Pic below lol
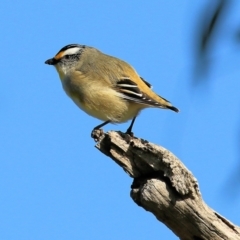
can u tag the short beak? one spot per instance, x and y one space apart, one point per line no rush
51 61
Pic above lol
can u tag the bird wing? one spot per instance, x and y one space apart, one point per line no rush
127 89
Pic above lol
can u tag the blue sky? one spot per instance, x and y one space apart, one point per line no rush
53 183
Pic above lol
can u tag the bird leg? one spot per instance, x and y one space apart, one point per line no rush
129 130
101 125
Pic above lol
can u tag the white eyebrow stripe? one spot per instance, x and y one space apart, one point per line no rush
71 51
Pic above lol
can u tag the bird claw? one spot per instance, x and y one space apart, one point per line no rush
131 134
96 134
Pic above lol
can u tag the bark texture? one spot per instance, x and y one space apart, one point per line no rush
165 187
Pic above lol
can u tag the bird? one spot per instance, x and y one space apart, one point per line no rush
104 86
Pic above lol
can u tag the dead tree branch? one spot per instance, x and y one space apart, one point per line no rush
165 187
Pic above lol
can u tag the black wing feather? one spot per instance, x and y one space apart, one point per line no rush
147 83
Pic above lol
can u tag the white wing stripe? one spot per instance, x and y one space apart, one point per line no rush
132 93
127 86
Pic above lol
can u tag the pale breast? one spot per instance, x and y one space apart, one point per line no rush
100 101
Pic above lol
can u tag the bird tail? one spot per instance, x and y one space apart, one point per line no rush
167 104
173 108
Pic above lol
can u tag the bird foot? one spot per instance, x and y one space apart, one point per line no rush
96 134
130 133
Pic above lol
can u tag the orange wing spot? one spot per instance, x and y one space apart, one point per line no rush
59 56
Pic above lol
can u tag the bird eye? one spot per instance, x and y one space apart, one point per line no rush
67 56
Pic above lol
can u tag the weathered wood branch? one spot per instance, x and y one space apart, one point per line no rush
165 187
